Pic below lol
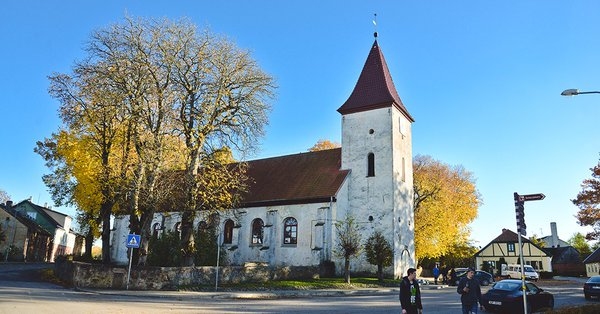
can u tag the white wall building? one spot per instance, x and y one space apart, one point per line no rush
288 217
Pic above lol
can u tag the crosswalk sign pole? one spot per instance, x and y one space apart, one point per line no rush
129 271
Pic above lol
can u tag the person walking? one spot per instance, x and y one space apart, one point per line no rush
436 274
470 292
410 294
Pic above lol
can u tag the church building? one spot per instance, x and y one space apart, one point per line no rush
293 203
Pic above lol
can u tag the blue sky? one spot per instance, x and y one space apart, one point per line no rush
481 78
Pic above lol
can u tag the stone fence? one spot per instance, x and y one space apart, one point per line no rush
88 275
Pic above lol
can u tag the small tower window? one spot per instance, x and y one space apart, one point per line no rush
371 165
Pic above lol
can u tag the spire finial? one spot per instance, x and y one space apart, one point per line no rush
375 24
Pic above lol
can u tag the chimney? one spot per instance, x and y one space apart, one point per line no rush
554 234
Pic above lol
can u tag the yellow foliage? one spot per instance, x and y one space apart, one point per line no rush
446 201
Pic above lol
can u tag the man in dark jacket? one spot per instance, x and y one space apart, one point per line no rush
470 292
410 294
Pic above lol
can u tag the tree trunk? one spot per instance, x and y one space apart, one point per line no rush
380 272
187 238
347 270
105 211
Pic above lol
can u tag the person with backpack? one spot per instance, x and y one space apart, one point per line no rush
410 294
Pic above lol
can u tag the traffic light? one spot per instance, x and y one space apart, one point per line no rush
520 213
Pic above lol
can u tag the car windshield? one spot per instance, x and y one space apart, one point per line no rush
507 286
594 279
529 268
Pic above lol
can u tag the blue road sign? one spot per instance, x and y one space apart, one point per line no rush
133 240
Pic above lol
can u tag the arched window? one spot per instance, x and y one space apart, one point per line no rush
371 165
290 231
257 231
228 232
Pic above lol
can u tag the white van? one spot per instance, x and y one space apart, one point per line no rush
514 271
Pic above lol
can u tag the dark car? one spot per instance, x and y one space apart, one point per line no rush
591 288
483 277
506 296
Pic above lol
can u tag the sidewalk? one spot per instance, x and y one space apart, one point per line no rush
275 294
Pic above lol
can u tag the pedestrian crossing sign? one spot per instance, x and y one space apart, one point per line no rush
133 241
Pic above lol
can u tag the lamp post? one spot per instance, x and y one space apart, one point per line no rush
575 91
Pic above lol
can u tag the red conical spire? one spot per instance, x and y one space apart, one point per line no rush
375 88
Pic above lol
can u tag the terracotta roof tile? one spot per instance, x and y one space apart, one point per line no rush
375 88
311 177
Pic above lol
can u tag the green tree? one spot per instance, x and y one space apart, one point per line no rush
379 252
445 202
348 244
579 242
588 202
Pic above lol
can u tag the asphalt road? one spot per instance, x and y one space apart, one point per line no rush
22 292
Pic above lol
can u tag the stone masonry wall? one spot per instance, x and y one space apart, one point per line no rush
84 275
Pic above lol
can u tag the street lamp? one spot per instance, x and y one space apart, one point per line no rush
575 91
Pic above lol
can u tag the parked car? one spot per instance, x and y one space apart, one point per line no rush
483 277
506 296
591 288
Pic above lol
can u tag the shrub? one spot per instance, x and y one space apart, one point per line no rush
164 250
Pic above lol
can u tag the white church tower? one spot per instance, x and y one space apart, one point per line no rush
376 147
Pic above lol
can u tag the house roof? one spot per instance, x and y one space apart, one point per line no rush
312 177
564 254
25 220
593 258
509 236
375 88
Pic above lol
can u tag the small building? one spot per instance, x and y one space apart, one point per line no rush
592 263
566 260
25 240
35 223
506 246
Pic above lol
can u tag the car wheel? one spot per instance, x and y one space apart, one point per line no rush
588 297
485 282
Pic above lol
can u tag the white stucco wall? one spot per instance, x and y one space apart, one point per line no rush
382 202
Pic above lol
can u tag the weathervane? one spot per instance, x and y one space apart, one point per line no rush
375 24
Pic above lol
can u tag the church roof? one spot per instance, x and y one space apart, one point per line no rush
313 177
375 88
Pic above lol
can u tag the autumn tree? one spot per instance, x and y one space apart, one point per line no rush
349 241
588 202
445 202
535 240
155 104
379 252
579 242
323 145
222 101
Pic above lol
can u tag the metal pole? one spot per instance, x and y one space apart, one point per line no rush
218 258
522 276
519 203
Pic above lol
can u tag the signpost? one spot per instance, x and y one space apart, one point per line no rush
133 242
522 230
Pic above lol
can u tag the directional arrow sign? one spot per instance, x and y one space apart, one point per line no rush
532 197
